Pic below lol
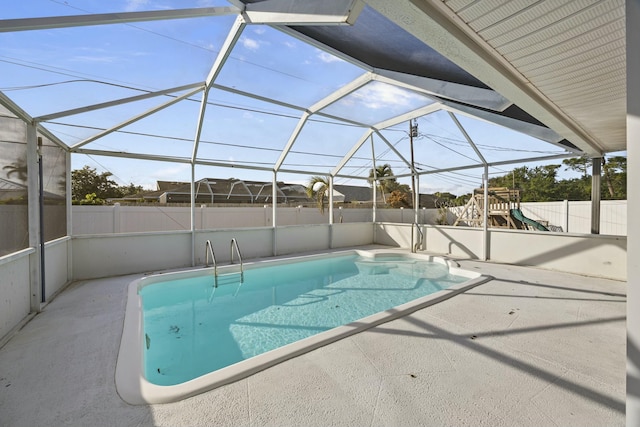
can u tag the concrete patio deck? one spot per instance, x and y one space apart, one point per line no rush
530 348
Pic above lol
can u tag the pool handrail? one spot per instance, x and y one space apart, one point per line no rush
234 243
209 251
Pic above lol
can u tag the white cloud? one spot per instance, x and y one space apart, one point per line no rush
380 95
327 57
172 173
133 5
250 44
94 59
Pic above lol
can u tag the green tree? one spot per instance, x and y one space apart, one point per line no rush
541 183
130 189
536 184
444 197
578 164
615 177
91 199
462 200
318 189
90 187
398 199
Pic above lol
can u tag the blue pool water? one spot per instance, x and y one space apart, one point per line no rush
192 328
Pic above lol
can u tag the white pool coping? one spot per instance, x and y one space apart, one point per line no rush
134 389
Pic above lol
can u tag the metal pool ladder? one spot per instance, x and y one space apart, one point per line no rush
234 244
209 252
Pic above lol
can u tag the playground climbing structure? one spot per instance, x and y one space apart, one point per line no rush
503 210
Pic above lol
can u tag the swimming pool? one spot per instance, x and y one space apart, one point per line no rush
184 335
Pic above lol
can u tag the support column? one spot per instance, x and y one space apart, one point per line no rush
416 202
633 211
274 213
331 212
331 199
193 214
69 213
33 208
375 184
485 209
596 172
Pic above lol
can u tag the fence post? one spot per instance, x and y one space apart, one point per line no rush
116 217
565 204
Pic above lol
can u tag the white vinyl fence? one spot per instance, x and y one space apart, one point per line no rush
575 217
570 217
137 219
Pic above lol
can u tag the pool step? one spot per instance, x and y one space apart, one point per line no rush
374 267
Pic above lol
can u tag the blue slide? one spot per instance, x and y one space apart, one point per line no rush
517 214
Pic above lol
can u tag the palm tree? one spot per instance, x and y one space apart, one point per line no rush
317 189
381 172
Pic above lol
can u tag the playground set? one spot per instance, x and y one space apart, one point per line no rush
503 211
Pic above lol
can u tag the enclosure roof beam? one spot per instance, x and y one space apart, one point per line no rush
292 140
14 108
24 116
352 152
500 163
349 176
136 118
345 90
49 22
422 111
102 105
128 155
255 96
47 133
390 145
287 105
539 132
232 38
480 97
467 137
304 12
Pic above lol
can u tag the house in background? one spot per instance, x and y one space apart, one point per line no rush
224 191
237 191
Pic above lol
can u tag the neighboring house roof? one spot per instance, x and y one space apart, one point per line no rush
355 193
10 190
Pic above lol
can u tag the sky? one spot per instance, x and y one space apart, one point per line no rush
48 71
